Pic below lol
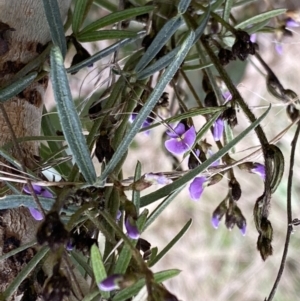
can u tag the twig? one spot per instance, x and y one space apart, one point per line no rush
289 215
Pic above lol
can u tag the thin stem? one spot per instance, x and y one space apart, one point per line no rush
289 215
236 97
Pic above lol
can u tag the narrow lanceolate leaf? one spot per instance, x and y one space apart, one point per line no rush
98 267
69 118
136 194
105 35
261 17
278 167
159 41
24 273
107 51
159 277
158 65
167 248
117 17
17 87
149 105
227 10
78 14
162 192
55 24
183 6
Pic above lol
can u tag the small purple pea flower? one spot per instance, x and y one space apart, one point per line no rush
110 283
260 170
147 122
39 190
196 188
291 23
131 227
218 128
215 222
182 139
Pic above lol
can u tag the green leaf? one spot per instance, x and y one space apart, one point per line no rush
227 10
203 22
160 208
103 53
16 87
81 261
105 35
91 296
55 25
183 6
261 17
24 273
158 65
69 118
117 17
15 201
159 41
134 289
136 194
149 105
98 267
79 14
167 248
17 250
162 192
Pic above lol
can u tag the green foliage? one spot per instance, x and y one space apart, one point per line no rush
156 49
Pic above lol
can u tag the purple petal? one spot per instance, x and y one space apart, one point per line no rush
36 214
132 117
260 170
46 194
215 222
189 137
37 189
176 147
227 96
253 37
110 283
215 163
177 131
291 23
196 188
131 228
243 230
218 129
119 214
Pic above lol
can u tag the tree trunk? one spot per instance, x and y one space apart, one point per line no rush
23 33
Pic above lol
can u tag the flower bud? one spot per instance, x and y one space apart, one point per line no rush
236 191
57 287
218 214
292 112
264 246
210 99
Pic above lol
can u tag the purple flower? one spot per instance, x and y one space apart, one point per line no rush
260 170
215 221
291 23
110 283
36 214
182 139
196 188
131 227
147 122
218 129
39 190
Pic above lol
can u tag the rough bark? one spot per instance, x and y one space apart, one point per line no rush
17 48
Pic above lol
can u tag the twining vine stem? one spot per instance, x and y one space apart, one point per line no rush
289 214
